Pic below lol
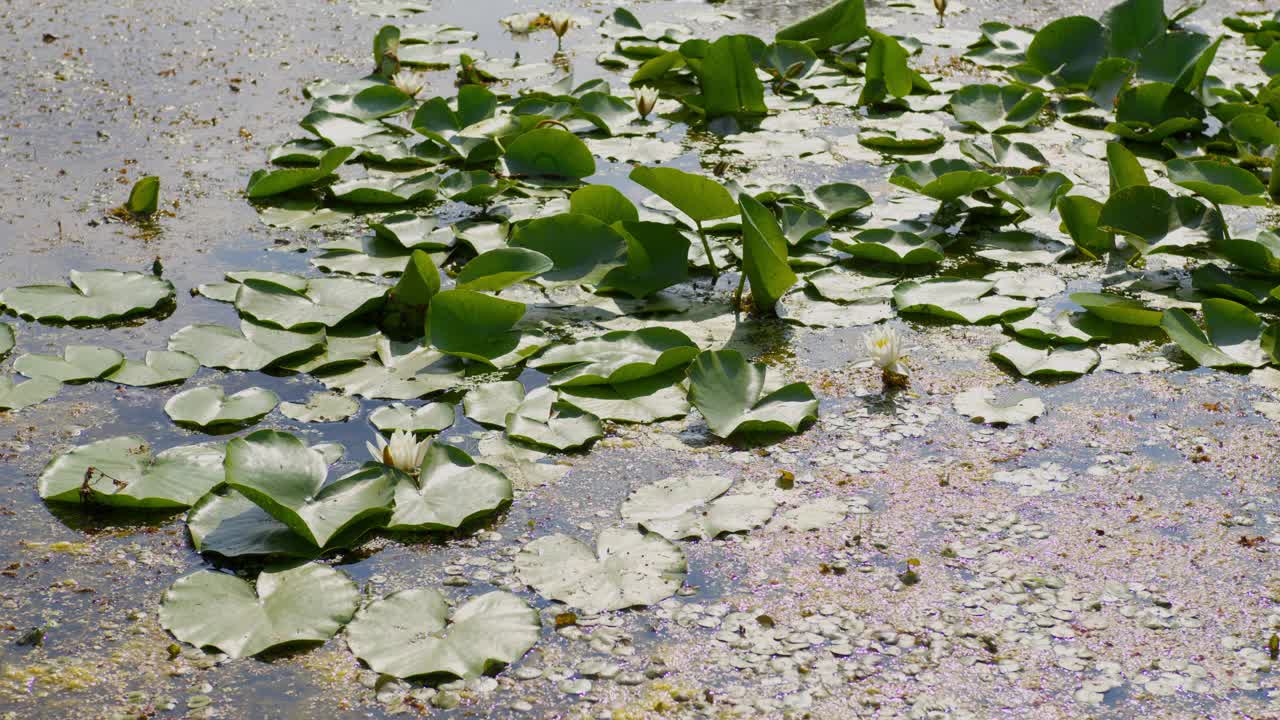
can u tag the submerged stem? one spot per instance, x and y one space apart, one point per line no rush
706 248
737 295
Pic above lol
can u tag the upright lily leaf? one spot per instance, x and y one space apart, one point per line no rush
699 197
121 472
734 396
1155 111
1153 221
1219 183
265 184
764 255
1117 309
618 357
1068 50
726 72
695 506
481 327
1235 336
283 476
1132 25
1260 254
604 203
582 248
79 363
1124 168
411 634
550 152
94 296
306 603
144 198
657 258
450 491
1080 220
208 408
886 70
626 569
840 23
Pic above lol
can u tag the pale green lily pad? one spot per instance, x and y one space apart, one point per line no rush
79 363
1236 336
1035 361
252 347
1018 247
412 633
733 396
841 285
627 568
813 515
491 403
891 246
307 603
658 397
126 475
1061 328
159 367
422 420
543 421
617 357
208 408
450 491
980 405
403 372
1031 284
690 506
8 339
321 408
1117 309
957 299
94 296
326 301
15 395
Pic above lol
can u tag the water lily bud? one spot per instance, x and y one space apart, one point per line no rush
646 100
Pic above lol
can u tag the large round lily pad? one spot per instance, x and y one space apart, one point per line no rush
411 633
303 604
94 296
695 505
627 568
122 472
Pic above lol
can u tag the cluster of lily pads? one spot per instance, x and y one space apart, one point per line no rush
619 305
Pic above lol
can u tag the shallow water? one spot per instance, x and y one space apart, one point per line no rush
1162 474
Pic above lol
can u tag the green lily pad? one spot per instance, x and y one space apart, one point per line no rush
995 108
1153 221
284 477
902 141
481 327
399 371
582 248
1061 328
733 396
144 198
626 569
121 472
1068 50
1248 289
957 299
411 634
980 405
304 604
501 268
657 258
1018 247
618 357
79 363
943 180
1260 254
159 367
321 408
695 506
8 339
1034 361
265 184
604 203
422 420
550 152
1219 183
1155 111
701 198
1116 309
1036 194
1236 336
208 408
891 246
450 491
839 200
252 347
1080 220
998 151
94 296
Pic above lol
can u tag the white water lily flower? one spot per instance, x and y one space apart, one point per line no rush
404 452
560 24
409 82
646 100
521 23
884 345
